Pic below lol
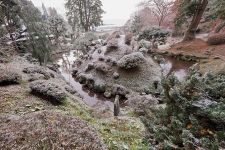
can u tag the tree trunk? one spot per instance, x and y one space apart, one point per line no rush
86 28
190 33
219 27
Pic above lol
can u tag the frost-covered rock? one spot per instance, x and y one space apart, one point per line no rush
131 60
48 89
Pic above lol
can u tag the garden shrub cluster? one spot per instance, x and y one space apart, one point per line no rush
102 67
99 86
194 115
104 36
86 79
82 42
153 33
128 38
131 60
48 89
39 70
144 44
9 77
216 39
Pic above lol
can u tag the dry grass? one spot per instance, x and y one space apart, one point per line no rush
47 130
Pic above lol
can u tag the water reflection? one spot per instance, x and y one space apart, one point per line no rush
90 97
178 67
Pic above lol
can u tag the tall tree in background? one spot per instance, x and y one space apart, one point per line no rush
52 12
57 27
190 9
160 10
37 29
136 24
10 17
45 13
87 13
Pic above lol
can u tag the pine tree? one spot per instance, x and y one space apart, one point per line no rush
136 25
194 115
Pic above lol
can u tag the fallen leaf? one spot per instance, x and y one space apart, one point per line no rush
203 131
189 126
52 119
210 132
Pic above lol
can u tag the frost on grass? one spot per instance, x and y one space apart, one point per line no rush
9 77
131 60
47 130
48 89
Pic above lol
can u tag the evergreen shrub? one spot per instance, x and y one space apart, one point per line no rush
131 60
193 117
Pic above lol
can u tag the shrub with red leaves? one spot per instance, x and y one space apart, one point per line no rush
128 38
216 39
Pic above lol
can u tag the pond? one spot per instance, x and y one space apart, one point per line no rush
91 98
178 67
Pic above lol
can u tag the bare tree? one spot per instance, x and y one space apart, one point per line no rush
157 10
